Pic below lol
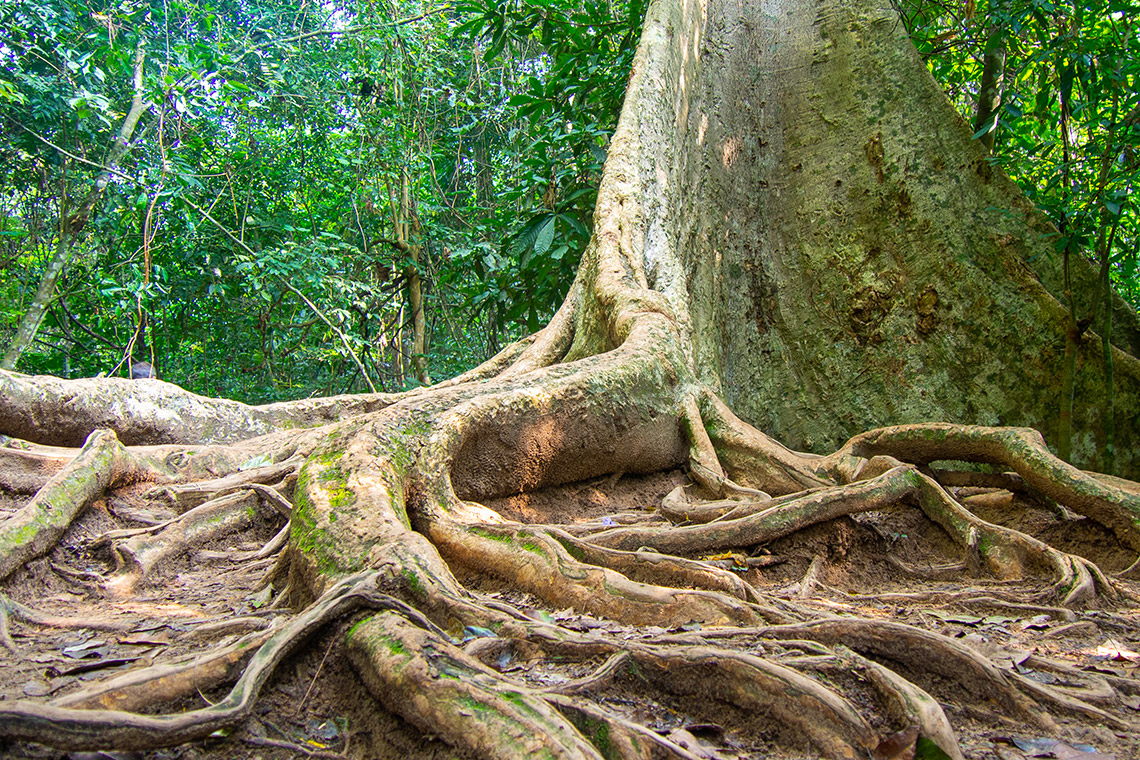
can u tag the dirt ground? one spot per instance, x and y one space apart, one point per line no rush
881 565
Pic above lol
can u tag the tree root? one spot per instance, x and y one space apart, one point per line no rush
74 729
137 557
1020 449
635 575
1008 553
656 569
910 705
143 688
29 615
921 651
433 684
36 528
186 496
625 739
547 569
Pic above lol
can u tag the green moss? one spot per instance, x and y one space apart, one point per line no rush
521 704
572 549
414 583
330 458
399 453
394 645
484 533
474 705
333 475
356 626
308 538
340 498
532 546
598 732
22 535
417 428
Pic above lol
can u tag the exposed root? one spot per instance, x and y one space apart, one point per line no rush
186 496
36 528
807 584
5 637
649 567
731 643
1007 553
403 663
74 729
626 738
29 615
140 689
138 556
1020 449
757 523
909 704
547 569
921 651
599 678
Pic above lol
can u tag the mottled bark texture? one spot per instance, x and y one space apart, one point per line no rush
791 219
844 254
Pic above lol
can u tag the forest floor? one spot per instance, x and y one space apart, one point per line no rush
879 565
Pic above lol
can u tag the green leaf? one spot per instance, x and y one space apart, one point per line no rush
926 749
544 237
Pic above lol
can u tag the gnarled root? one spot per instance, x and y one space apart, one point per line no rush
36 528
74 729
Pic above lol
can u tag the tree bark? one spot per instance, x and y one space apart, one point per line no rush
989 88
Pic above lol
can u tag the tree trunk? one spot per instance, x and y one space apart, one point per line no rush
34 316
71 223
791 220
408 237
989 88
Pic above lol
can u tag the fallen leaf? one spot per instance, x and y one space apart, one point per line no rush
88 648
261 598
1079 752
1045 747
161 640
475 632
1112 650
1010 659
89 667
36 689
954 617
1040 622
997 620
900 746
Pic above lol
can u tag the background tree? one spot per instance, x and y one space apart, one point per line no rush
296 132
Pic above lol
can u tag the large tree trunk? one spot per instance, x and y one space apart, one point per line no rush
791 220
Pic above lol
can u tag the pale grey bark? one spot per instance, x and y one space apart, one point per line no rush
834 243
